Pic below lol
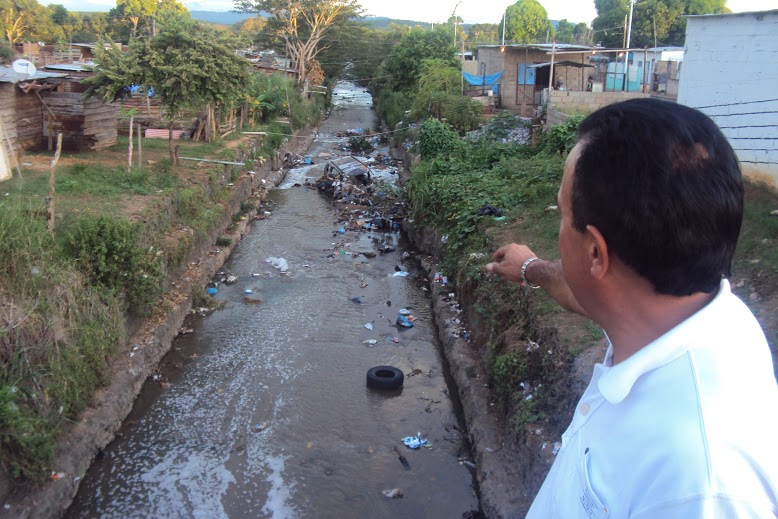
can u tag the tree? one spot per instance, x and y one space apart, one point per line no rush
483 34
565 32
527 22
437 78
583 34
404 62
301 25
188 65
609 24
13 25
134 10
660 21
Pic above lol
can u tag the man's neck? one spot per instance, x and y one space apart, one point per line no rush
638 321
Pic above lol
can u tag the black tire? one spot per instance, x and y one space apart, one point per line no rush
385 377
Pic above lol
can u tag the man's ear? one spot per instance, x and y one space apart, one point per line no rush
597 249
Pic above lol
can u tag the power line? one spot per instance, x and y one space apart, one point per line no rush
736 104
749 126
744 113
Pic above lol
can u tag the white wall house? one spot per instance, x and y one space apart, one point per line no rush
730 72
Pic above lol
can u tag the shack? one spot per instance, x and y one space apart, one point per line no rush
35 107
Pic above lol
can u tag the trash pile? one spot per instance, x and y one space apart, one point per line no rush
367 201
507 128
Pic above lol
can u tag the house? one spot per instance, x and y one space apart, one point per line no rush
730 74
35 107
662 68
526 70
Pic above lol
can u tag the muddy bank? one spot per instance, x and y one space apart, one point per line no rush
136 360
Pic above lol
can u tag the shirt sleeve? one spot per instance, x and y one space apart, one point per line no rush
708 507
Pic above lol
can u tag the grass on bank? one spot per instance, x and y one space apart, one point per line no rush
66 299
529 360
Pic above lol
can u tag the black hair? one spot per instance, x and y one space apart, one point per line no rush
663 186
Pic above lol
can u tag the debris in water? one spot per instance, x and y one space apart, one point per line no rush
369 326
279 263
393 493
414 442
356 300
400 274
404 322
259 427
404 461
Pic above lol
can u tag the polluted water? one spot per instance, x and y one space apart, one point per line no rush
262 409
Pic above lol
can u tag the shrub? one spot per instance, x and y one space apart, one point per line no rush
561 138
108 251
436 138
463 113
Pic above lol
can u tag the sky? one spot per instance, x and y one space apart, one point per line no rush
471 11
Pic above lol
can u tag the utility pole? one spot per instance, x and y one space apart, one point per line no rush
504 16
454 14
629 29
462 72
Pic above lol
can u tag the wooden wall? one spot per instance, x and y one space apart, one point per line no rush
8 114
85 125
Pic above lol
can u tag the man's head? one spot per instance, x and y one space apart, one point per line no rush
662 186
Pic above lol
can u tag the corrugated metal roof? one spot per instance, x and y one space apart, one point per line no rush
72 67
560 64
9 75
543 46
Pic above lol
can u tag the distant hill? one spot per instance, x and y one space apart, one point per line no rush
221 17
382 22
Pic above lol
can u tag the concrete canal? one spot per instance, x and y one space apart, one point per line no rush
263 409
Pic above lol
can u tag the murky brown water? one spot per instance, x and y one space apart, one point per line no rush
294 365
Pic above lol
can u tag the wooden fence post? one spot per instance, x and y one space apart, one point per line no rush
52 178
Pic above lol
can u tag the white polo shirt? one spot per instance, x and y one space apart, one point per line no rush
686 427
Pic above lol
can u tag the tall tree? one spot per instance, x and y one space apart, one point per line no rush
14 24
483 34
188 65
527 21
660 21
404 62
583 34
135 10
565 32
301 25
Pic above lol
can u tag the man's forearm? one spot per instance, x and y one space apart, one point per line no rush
548 274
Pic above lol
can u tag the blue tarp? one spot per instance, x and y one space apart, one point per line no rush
490 80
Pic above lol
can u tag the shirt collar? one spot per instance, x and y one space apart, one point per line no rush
616 382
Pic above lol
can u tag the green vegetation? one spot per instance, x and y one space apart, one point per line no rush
58 333
421 78
653 20
65 299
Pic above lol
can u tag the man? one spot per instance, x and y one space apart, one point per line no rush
680 419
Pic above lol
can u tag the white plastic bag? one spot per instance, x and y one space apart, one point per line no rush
279 263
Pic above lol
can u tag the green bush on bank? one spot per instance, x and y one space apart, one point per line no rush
108 252
56 337
455 180
65 299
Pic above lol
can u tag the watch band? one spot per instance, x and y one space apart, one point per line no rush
524 272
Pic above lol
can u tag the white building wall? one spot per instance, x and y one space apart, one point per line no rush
730 72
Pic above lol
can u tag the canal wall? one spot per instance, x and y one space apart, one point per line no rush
137 359
510 466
